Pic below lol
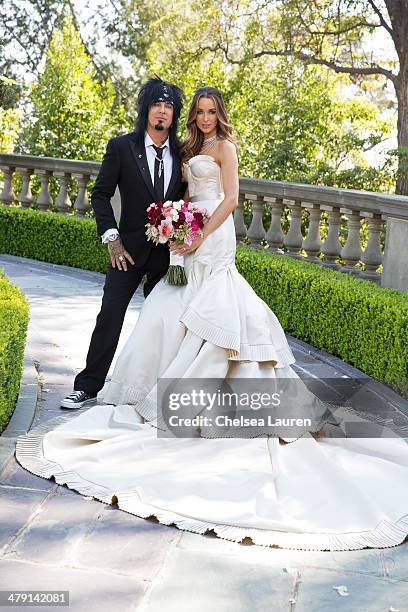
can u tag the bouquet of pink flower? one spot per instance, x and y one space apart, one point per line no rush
180 222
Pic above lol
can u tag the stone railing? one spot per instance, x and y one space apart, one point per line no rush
381 211
46 167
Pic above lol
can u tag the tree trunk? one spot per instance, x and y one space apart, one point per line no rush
398 14
402 94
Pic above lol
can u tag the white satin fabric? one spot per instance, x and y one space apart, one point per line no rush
310 494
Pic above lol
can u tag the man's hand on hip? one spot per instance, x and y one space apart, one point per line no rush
119 255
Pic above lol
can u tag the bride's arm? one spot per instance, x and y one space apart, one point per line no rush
229 170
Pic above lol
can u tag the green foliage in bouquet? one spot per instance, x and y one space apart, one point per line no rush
176 275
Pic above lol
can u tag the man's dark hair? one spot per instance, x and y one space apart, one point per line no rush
153 90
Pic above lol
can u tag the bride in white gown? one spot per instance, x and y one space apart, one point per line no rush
307 493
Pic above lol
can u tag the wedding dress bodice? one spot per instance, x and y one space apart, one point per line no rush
204 178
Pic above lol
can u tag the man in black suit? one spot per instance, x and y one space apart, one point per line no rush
145 165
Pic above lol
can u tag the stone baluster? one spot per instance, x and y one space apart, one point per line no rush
7 195
25 197
372 256
240 227
311 244
256 231
81 204
351 251
293 239
44 201
332 246
275 235
63 201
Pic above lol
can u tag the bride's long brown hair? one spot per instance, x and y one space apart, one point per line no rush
194 140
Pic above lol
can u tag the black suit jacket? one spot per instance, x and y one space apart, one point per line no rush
125 165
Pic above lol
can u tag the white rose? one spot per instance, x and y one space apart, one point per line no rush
168 203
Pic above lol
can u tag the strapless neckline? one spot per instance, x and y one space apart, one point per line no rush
204 155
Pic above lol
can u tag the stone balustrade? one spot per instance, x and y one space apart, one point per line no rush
44 168
343 206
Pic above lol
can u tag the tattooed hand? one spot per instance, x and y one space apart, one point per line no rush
118 254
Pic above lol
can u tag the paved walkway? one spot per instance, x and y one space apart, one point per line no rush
53 538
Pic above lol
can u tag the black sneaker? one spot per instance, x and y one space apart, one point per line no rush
77 399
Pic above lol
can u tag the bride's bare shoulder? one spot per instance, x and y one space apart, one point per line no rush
226 146
227 152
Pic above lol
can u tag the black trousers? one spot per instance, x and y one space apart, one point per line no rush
117 292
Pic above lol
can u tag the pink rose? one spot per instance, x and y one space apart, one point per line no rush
166 229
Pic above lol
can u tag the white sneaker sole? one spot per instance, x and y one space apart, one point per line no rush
70 404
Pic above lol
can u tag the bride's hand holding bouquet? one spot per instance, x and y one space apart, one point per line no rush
181 225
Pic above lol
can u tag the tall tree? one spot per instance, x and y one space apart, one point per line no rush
72 114
25 32
335 34
9 115
292 121
331 33
26 28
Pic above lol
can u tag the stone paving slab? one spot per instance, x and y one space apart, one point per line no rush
73 530
214 582
23 415
89 591
52 537
122 542
54 534
7 446
17 505
14 475
367 594
371 561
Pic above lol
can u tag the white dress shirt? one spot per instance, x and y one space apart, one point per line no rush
151 156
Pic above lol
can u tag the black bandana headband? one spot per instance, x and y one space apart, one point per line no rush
157 90
154 90
165 95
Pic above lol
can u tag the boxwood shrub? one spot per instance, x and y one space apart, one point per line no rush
52 237
354 319
13 330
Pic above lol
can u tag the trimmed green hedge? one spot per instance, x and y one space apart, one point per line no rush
363 324
52 237
13 331
354 319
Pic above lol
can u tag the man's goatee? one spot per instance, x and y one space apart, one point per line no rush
159 126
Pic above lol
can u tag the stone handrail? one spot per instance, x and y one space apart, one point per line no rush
380 211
